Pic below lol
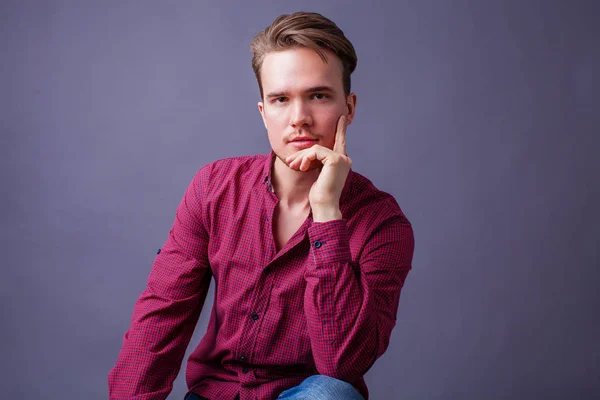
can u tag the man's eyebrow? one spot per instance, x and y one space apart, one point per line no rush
314 89
276 94
320 89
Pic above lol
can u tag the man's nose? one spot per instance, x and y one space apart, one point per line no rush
300 114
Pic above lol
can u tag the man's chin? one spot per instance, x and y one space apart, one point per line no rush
314 164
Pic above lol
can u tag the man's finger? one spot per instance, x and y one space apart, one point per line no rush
309 157
289 159
340 136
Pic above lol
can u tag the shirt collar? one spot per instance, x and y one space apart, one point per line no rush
267 168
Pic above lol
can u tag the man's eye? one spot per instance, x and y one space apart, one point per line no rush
280 99
320 96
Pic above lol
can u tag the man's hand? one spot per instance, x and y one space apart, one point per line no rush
324 195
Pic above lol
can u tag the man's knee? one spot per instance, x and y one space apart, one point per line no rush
321 387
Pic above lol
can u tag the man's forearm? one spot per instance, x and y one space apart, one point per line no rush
350 314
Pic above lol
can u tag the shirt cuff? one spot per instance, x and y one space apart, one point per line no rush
329 242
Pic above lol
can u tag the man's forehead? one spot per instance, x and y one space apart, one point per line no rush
300 68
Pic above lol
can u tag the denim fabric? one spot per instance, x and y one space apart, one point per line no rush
316 387
321 387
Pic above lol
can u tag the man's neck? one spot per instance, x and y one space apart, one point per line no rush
292 187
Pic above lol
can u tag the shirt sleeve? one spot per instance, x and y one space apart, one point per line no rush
351 307
166 313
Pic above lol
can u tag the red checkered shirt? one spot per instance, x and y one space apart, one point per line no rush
325 303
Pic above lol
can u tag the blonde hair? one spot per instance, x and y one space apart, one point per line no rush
303 29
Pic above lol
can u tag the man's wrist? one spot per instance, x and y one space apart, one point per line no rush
327 213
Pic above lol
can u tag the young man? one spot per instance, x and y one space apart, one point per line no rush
307 255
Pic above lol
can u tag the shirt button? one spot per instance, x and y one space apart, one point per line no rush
158 252
243 358
318 244
254 316
245 370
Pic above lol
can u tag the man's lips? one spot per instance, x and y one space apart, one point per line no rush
303 143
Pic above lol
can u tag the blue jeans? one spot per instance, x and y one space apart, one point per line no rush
316 387
321 387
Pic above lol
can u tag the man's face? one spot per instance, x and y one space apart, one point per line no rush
303 96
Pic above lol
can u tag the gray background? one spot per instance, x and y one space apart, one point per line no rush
480 117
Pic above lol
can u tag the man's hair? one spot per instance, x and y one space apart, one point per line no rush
303 29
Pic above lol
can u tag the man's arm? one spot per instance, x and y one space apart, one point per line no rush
166 313
350 314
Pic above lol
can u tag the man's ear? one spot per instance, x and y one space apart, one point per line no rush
261 110
351 105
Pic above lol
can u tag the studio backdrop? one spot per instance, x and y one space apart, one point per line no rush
480 117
